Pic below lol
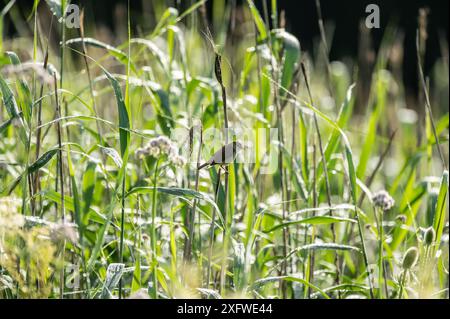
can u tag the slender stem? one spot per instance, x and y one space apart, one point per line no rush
211 233
191 217
122 233
428 104
402 284
88 71
364 250
153 232
326 50
218 73
60 176
380 251
325 170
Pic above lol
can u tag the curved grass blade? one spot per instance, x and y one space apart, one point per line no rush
118 54
440 211
315 220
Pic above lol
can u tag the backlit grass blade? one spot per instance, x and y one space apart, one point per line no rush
113 275
316 220
440 211
258 20
118 54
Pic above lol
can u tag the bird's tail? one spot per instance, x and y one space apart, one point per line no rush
203 165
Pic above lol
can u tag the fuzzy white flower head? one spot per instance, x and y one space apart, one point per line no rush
154 151
178 160
9 213
141 153
161 146
383 200
164 144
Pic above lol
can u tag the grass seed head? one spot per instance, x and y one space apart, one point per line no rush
410 258
429 236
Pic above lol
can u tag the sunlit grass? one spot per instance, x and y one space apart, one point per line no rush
100 191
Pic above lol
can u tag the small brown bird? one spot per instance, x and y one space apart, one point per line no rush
224 156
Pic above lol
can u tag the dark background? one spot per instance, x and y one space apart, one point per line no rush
301 20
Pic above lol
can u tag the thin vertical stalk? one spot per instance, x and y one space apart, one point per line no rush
379 221
60 176
402 284
279 125
218 73
127 97
36 182
325 169
326 50
211 232
311 254
153 232
88 71
190 239
428 103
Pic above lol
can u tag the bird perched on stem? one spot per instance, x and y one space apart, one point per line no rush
224 156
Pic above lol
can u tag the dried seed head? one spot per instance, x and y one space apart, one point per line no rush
383 200
429 236
410 258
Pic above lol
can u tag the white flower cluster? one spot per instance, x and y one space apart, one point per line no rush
9 213
161 146
383 200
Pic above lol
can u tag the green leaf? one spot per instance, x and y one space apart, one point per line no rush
328 246
369 143
13 111
440 211
42 161
39 163
342 120
112 153
4 126
113 275
124 120
118 54
180 192
259 22
23 90
291 56
56 8
315 220
70 205
8 99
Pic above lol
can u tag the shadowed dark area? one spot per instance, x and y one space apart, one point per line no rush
302 20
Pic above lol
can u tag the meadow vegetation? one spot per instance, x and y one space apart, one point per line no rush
101 135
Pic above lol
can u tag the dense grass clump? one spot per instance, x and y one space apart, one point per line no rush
335 192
